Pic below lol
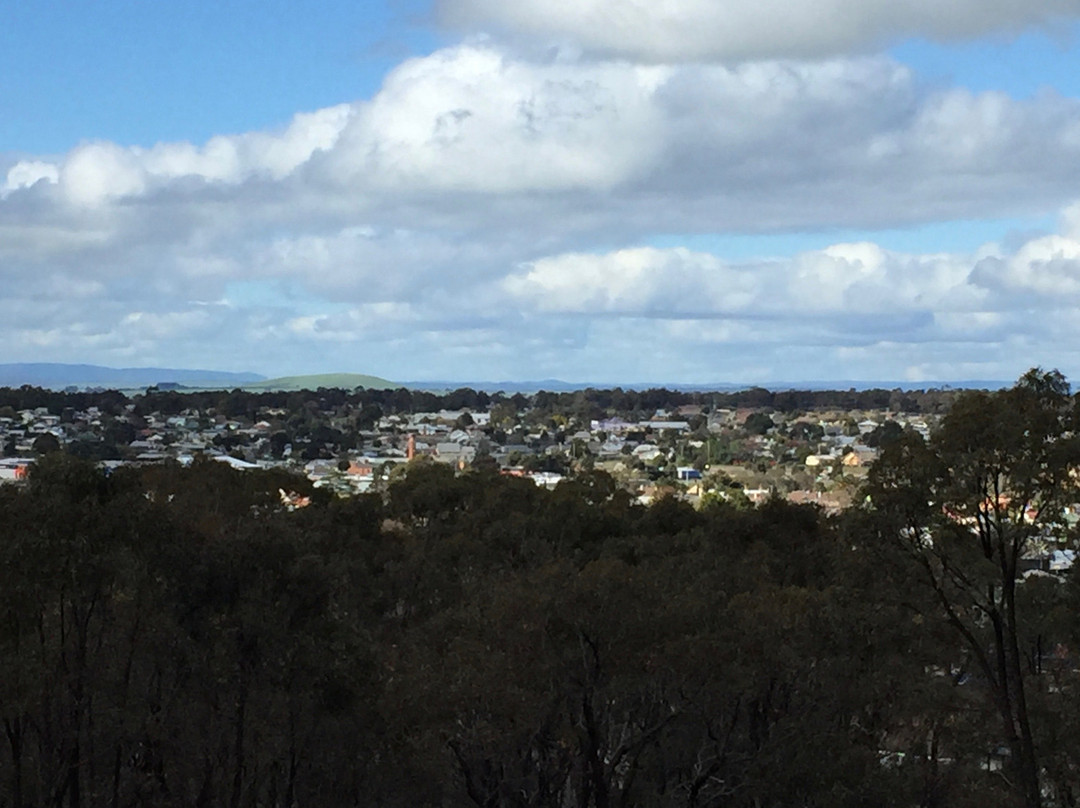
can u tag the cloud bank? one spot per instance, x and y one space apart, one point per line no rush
672 31
767 146
490 215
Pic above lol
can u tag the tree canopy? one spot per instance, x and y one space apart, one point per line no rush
178 636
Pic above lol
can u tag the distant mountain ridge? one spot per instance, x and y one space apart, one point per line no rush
57 376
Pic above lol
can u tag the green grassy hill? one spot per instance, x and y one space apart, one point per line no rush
345 381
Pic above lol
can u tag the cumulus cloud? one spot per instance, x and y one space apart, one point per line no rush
26 174
454 218
847 296
734 30
842 281
471 138
634 314
98 172
473 119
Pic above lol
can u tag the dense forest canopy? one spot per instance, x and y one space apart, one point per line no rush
177 636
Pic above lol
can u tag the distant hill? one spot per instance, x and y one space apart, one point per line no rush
344 381
57 376
550 385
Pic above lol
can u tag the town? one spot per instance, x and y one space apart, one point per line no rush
742 448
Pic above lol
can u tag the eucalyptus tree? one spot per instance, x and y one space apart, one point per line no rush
989 490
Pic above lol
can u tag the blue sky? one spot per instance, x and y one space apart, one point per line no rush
1018 64
609 189
140 72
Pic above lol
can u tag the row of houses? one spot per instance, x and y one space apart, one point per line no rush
680 444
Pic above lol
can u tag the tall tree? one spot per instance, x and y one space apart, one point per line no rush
988 490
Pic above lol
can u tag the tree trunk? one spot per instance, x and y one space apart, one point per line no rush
1026 759
238 747
14 732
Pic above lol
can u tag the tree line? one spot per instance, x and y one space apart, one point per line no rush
178 636
372 404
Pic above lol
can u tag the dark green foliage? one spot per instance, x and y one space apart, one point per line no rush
758 423
883 435
174 636
990 491
46 443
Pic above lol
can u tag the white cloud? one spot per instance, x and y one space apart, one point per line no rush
471 119
379 264
26 174
852 310
98 172
164 326
470 139
1047 267
362 322
842 281
850 301
734 30
473 210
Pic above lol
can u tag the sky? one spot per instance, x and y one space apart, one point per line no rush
607 191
